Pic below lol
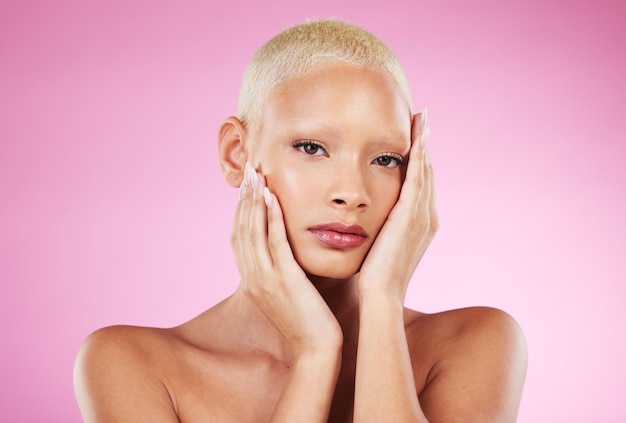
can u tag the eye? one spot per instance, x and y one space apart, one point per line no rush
310 147
389 160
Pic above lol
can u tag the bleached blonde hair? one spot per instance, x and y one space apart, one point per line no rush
305 48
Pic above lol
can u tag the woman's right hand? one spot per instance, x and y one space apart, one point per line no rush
270 276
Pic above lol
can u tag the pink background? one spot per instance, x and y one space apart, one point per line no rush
113 209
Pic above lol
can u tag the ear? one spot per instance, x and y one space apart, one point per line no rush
232 154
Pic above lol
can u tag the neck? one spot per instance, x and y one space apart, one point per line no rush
255 332
342 298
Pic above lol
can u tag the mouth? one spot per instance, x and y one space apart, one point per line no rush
339 235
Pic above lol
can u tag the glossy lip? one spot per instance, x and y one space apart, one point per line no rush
340 235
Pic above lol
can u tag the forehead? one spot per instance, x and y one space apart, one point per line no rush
337 98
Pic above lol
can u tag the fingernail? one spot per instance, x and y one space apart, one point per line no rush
246 174
424 137
268 197
255 178
242 190
423 118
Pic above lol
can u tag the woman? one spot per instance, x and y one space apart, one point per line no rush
336 209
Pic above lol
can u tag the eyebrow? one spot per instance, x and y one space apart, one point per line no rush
308 125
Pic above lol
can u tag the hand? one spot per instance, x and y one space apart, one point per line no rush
270 276
410 226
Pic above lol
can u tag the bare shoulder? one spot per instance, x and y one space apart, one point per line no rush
472 363
119 369
480 326
190 372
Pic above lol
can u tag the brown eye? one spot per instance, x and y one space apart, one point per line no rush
388 161
309 147
384 160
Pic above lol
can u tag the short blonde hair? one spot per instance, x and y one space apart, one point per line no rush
306 48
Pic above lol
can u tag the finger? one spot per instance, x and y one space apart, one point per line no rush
240 228
257 247
414 178
414 175
423 119
426 212
431 200
418 125
415 128
280 249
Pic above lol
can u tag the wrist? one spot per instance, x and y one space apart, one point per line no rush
390 299
326 350
319 361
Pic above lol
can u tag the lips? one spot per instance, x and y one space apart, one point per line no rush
339 235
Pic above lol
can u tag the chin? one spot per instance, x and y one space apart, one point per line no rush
338 271
339 278
326 263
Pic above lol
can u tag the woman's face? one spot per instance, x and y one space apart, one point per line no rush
333 147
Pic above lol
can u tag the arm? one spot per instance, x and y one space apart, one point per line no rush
479 373
478 379
385 388
273 281
308 394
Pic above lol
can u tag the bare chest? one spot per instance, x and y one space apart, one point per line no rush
238 391
224 390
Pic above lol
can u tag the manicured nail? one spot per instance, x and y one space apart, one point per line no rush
242 190
254 177
246 174
424 137
423 118
268 197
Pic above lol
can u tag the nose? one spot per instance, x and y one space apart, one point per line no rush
349 189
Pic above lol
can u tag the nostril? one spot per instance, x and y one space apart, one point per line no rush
339 201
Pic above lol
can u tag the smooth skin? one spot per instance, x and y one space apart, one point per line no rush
315 333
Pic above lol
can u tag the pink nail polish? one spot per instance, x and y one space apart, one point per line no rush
424 137
423 118
246 174
242 190
268 197
254 178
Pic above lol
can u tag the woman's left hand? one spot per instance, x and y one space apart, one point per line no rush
410 226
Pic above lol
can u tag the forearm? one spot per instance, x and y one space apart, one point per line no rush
385 389
308 394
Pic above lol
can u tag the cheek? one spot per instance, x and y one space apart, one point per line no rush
387 199
284 181
386 196
292 187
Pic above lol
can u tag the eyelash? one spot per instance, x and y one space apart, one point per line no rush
393 156
303 144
